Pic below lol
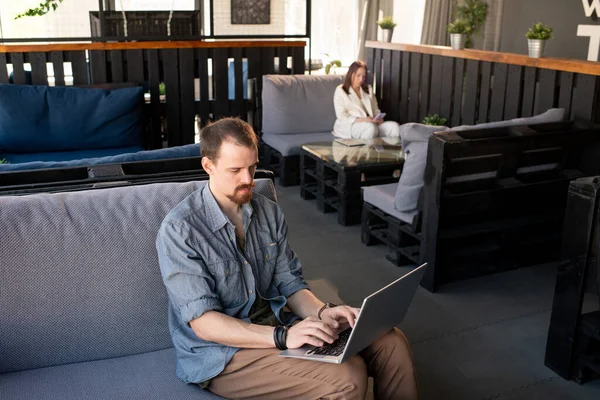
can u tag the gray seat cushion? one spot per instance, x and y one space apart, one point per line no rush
382 197
296 104
143 376
290 145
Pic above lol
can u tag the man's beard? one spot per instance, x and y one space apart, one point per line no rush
242 198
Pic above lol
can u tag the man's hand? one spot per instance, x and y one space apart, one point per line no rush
343 316
311 331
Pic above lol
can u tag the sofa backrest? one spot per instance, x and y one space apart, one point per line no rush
79 274
298 103
42 119
415 138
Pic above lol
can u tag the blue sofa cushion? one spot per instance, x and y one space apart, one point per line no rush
45 119
95 157
143 376
57 156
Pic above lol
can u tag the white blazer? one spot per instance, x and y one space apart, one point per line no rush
348 107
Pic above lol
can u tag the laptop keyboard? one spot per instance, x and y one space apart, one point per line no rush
334 349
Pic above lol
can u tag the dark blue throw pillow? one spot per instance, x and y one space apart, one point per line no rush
44 119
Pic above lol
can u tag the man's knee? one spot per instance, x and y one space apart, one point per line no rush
353 374
395 342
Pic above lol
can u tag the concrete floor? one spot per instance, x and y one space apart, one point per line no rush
482 338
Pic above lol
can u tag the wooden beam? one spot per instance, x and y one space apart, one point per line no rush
184 44
558 64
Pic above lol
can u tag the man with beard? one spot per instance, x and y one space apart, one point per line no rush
229 272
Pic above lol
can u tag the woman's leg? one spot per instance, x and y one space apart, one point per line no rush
364 130
389 129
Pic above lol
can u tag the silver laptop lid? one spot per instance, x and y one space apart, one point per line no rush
383 310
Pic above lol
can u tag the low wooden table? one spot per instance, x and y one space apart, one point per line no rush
334 173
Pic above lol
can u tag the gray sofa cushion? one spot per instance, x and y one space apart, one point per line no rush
79 278
290 145
382 197
145 376
293 104
551 115
414 142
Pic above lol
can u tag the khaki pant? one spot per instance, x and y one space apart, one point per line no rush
262 374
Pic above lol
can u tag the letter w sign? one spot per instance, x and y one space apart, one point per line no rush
591 8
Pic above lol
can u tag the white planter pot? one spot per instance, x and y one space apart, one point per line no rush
458 40
387 35
536 47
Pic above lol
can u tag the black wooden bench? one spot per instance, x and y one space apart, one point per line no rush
573 344
493 200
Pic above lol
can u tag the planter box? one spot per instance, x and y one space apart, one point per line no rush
147 23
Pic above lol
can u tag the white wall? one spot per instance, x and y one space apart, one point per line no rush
335 30
408 14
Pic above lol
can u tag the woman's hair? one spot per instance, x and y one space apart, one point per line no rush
354 67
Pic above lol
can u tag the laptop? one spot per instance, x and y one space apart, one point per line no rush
380 312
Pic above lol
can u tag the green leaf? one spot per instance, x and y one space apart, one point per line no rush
43 9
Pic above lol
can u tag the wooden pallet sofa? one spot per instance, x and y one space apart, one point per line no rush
491 199
296 109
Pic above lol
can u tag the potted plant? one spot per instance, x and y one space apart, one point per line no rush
387 25
332 64
474 14
536 37
434 120
458 33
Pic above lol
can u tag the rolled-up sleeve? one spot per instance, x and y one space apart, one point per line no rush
288 270
190 286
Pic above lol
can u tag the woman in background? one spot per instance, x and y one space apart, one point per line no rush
358 115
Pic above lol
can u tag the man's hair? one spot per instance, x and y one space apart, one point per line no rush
234 129
355 66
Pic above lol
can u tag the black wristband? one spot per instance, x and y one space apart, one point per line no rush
280 337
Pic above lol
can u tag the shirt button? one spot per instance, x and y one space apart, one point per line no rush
267 257
230 238
227 272
250 291
245 262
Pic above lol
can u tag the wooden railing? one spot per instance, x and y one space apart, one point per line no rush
196 75
473 86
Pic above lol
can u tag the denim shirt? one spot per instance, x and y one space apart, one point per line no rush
203 270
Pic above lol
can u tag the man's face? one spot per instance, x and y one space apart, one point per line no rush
232 173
